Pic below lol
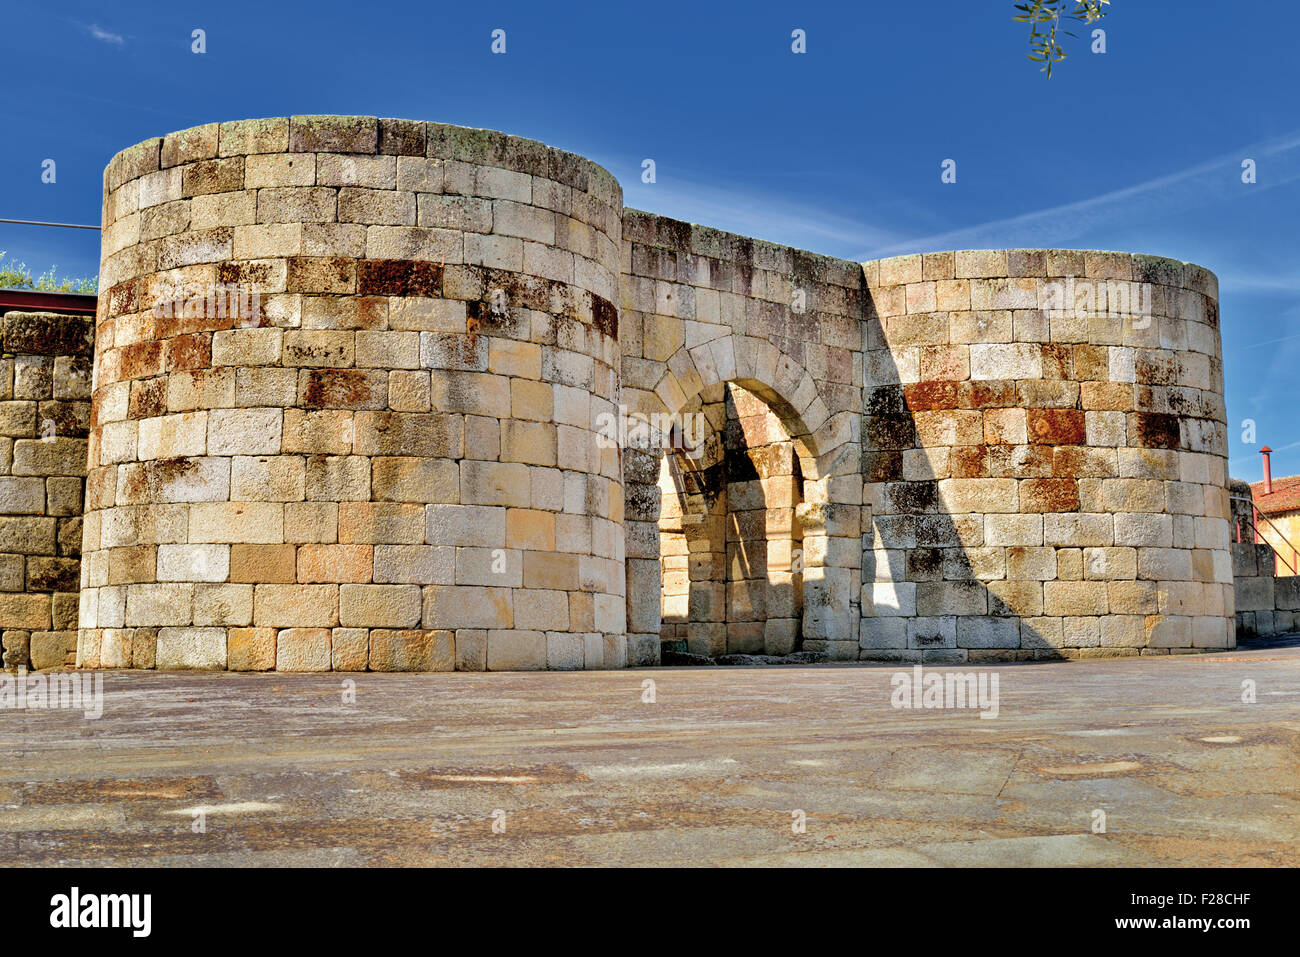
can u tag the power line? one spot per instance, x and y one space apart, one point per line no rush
32 222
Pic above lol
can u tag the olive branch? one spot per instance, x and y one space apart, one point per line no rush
1045 20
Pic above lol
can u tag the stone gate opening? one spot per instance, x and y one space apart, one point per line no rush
730 537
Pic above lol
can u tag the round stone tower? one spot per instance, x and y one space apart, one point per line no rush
1045 448
299 458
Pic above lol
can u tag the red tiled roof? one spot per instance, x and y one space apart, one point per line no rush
1285 496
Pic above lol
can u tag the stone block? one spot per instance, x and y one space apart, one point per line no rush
411 650
262 564
296 606
251 649
335 563
379 606
515 650
467 606
193 563
52 649
349 649
471 649
302 649
564 651
222 604
191 648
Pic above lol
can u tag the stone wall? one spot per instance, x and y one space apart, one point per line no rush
395 453
45 371
702 307
692 531
1267 604
1045 475
392 463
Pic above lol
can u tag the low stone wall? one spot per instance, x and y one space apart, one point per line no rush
44 414
1266 604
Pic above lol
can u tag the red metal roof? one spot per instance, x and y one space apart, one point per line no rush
34 300
1285 496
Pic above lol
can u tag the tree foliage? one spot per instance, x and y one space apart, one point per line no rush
16 275
1045 19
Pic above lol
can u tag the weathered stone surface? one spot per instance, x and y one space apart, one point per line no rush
202 648
53 649
412 650
302 649
252 649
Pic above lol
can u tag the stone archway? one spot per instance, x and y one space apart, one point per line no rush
730 538
828 455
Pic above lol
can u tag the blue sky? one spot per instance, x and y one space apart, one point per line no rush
837 150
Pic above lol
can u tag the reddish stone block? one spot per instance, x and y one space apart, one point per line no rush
1056 361
321 274
148 398
930 396
399 277
141 360
189 352
1079 461
263 564
1049 495
986 394
968 461
179 324
1107 396
1056 426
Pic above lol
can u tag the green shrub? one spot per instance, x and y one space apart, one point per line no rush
16 275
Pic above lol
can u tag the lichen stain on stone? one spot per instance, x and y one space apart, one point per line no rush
604 316
1156 430
337 388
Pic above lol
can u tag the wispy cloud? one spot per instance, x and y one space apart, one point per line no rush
105 36
763 215
770 215
1249 282
1253 458
1196 185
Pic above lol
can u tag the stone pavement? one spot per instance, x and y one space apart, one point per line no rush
580 770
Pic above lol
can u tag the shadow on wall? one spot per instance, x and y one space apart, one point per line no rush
932 589
1042 482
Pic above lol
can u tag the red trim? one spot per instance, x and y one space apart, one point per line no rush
34 300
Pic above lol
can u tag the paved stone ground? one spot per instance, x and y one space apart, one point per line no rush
587 773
